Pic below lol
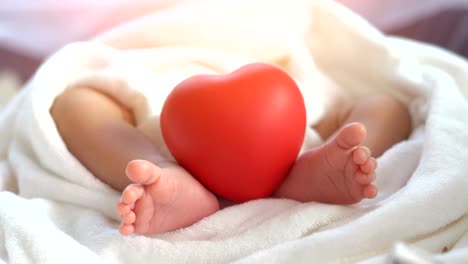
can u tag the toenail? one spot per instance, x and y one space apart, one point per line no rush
366 150
359 157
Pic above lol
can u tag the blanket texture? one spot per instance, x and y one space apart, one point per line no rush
52 209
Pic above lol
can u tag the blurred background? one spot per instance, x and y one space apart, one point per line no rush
31 30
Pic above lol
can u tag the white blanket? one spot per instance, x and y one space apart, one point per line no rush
52 210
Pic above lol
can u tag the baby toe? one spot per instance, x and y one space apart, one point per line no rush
126 230
350 136
129 218
361 154
142 172
369 166
369 191
364 178
123 208
132 193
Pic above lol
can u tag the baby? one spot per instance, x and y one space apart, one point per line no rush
158 195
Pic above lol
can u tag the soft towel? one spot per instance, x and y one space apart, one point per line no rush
53 210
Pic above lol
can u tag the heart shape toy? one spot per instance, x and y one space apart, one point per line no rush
238 133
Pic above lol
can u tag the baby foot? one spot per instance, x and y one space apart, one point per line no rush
162 199
340 171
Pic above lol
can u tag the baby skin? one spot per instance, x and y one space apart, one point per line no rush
158 195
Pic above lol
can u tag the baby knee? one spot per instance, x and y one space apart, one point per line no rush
387 103
391 109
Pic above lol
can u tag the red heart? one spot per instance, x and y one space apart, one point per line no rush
238 133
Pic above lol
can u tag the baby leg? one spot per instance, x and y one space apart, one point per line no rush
342 170
387 121
157 195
